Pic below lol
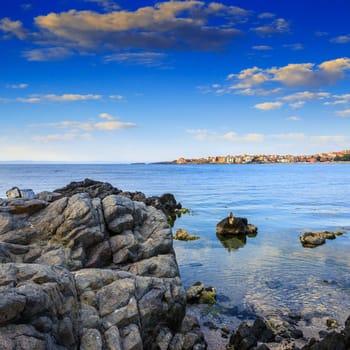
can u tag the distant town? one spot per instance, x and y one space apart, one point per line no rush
268 158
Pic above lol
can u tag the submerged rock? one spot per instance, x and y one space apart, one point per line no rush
235 226
199 294
87 267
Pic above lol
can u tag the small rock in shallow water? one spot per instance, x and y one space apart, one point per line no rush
182 235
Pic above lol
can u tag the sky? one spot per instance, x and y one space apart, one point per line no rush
148 81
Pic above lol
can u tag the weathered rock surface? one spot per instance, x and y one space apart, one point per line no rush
88 267
314 239
235 226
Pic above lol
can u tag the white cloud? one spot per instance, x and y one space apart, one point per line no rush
272 140
47 54
106 116
297 104
266 15
339 99
306 95
294 118
58 98
341 39
168 24
267 106
17 86
294 75
278 26
117 97
262 47
149 59
294 47
345 113
61 137
258 92
109 125
107 5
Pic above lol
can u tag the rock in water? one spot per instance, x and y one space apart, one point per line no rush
235 226
314 239
87 267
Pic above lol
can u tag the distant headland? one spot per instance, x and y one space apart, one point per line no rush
329 157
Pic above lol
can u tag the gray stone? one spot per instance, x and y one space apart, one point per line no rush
131 338
112 339
91 339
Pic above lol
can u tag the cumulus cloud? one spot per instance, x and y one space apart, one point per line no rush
293 75
267 106
47 54
170 24
14 28
341 39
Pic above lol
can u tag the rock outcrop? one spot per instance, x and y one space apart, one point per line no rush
314 239
235 226
91 267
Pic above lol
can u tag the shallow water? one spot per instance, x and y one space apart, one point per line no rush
269 274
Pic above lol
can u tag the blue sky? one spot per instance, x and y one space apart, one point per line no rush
130 81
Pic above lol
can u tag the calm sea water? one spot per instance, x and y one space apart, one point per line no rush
269 274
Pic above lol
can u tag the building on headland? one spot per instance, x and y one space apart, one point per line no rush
265 158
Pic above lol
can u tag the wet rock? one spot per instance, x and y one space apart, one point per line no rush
332 323
199 294
314 239
182 235
235 226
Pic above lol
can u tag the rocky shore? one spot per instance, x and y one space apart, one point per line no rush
91 267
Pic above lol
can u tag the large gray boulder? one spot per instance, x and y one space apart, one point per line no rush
90 268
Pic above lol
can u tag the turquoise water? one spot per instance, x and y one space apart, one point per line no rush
268 274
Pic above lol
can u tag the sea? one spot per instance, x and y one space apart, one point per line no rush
270 274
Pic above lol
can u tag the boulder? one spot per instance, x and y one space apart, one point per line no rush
235 226
15 192
87 267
